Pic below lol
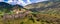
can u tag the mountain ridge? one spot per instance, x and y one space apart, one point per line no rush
42 6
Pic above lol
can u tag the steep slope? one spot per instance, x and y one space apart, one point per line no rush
39 5
44 6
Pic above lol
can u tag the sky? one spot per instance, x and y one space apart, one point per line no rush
22 2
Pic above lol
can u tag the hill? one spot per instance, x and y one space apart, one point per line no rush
47 12
43 6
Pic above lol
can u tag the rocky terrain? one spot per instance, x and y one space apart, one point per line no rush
47 12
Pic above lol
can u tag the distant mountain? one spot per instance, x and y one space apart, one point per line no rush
43 6
18 6
40 6
36 5
4 5
54 0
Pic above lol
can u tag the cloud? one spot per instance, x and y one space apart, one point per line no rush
35 1
26 2
13 2
22 2
9 1
1 0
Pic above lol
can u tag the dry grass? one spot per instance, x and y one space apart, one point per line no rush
34 19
